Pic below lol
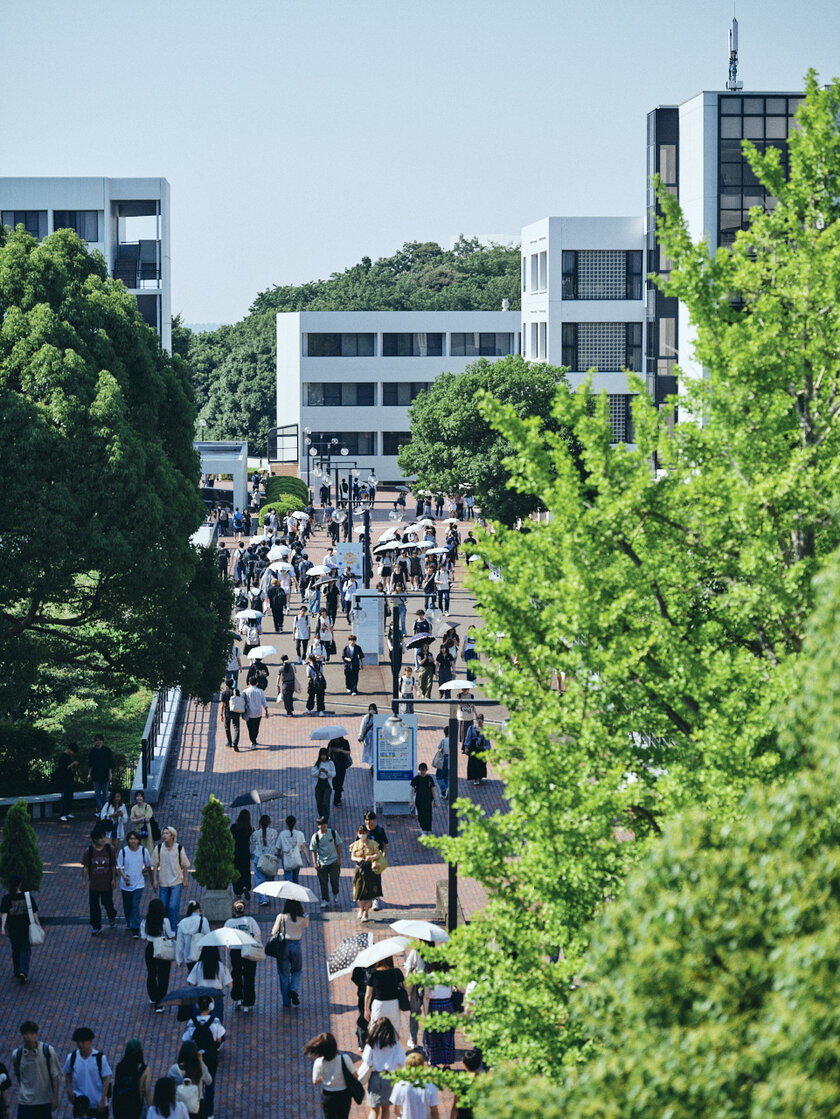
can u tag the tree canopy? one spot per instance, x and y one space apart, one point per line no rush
672 602
234 368
453 443
97 572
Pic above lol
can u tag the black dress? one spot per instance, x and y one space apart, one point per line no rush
241 859
423 786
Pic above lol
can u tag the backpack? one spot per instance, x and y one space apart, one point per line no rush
127 1103
155 826
18 1054
205 1042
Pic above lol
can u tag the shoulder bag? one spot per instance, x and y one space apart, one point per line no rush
202 930
352 1081
267 864
276 947
163 948
36 933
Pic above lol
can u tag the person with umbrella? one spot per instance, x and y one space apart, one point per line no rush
382 999
264 852
243 969
339 754
291 923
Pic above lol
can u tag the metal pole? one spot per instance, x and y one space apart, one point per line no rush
368 559
452 892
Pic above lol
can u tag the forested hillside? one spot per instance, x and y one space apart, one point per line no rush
233 368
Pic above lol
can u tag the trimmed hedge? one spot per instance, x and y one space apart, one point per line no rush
282 505
280 484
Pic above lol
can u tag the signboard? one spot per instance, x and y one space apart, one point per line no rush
394 766
351 555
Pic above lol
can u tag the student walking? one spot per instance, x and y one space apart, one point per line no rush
291 922
354 660
169 868
99 873
18 910
292 844
133 864
325 846
323 771
423 798
100 767
243 969
256 706
330 1070
264 853
155 930
87 1076
37 1070
65 774
287 684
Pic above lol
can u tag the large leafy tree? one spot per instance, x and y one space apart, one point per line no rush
454 444
673 602
97 572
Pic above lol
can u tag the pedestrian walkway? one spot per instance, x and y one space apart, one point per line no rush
100 982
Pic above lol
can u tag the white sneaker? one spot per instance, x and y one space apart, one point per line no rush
64 819
376 903
323 905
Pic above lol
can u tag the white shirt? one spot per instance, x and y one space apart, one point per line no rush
246 925
132 862
264 848
196 977
86 1078
289 842
380 1059
188 927
107 813
216 1028
167 931
416 1100
330 1074
255 702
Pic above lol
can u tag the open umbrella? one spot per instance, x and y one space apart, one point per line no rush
402 489
427 522
261 652
418 639
318 569
421 930
259 539
279 551
191 994
361 530
443 627
392 946
325 734
475 558
225 938
342 959
424 544
256 796
281 565
248 615
457 686
285 890
301 516
324 582
438 552
450 520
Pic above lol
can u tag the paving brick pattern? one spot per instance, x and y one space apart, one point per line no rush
76 979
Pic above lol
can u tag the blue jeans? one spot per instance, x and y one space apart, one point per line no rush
288 971
292 875
171 898
443 600
131 908
100 794
442 775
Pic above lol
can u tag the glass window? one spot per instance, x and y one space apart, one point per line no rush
730 106
356 442
569 274
754 128
393 440
33 221
617 406
635 277
543 350
402 393
730 219
524 273
570 349
730 128
776 105
754 105
535 340
668 163
344 394
668 336
543 271
776 128
633 342
730 174
535 271
412 345
485 344
340 345
83 222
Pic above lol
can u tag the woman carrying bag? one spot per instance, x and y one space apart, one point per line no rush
290 925
367 883
157 932
335 1073
382 1053
264 851
19 922
242 966
292 844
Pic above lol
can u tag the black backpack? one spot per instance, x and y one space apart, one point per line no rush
205 1042
126 1102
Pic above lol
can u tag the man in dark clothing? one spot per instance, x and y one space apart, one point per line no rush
65 777
339 754
277 601
286 684
100 764
99 868
224 560
231 727
325 493
354 660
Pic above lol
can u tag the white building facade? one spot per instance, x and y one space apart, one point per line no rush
347 378
126 220
583 303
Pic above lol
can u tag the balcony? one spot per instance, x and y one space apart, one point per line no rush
137 264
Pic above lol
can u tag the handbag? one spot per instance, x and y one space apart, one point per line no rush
188 1094
276 947
37 935
437 760
254 952
202 930
352 1081
163 948
379 864
297 685
402 998
267 864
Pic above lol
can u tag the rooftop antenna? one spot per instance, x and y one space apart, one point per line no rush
733 84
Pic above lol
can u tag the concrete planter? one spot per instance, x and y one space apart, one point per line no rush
217 905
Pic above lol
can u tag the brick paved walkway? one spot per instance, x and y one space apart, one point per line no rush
76 979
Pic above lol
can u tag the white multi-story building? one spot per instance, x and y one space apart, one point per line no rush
346 378
583 303
126 220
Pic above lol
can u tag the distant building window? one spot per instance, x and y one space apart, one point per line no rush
543 343
543 276
485 344
618 406
346 394
356 442
524 273
605 346
535 271
340 345
393 440
83 222
33 221
602 274
412 345
402 393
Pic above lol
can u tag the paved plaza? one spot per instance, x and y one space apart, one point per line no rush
76 979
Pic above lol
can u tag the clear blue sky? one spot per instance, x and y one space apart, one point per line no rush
300 135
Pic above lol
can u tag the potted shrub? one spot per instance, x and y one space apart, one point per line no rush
213 867
19 852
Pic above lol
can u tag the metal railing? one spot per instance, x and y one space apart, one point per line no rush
152 730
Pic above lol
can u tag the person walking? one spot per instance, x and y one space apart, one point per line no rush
323 771
326 634
277 604
100 767
440 764
354 662
242 831
164 1104
243 969
291 922
38 1071
325 846
18 910
87 1076
316 684
292 845
114 815
189 1076
140 819
211 972
133 865
225 696
407 687
287 684
330 1069
382 998
190 930
155 928
338 751
99 873
425 671
198 1057
379 836
443 584
423 797
412 1099
366 735
464 714
132 1083
382 1053
300 633
264 854
365 854
170 866
476 744
256 706
440 1044
65 775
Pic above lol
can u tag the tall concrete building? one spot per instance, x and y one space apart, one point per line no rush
126 220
